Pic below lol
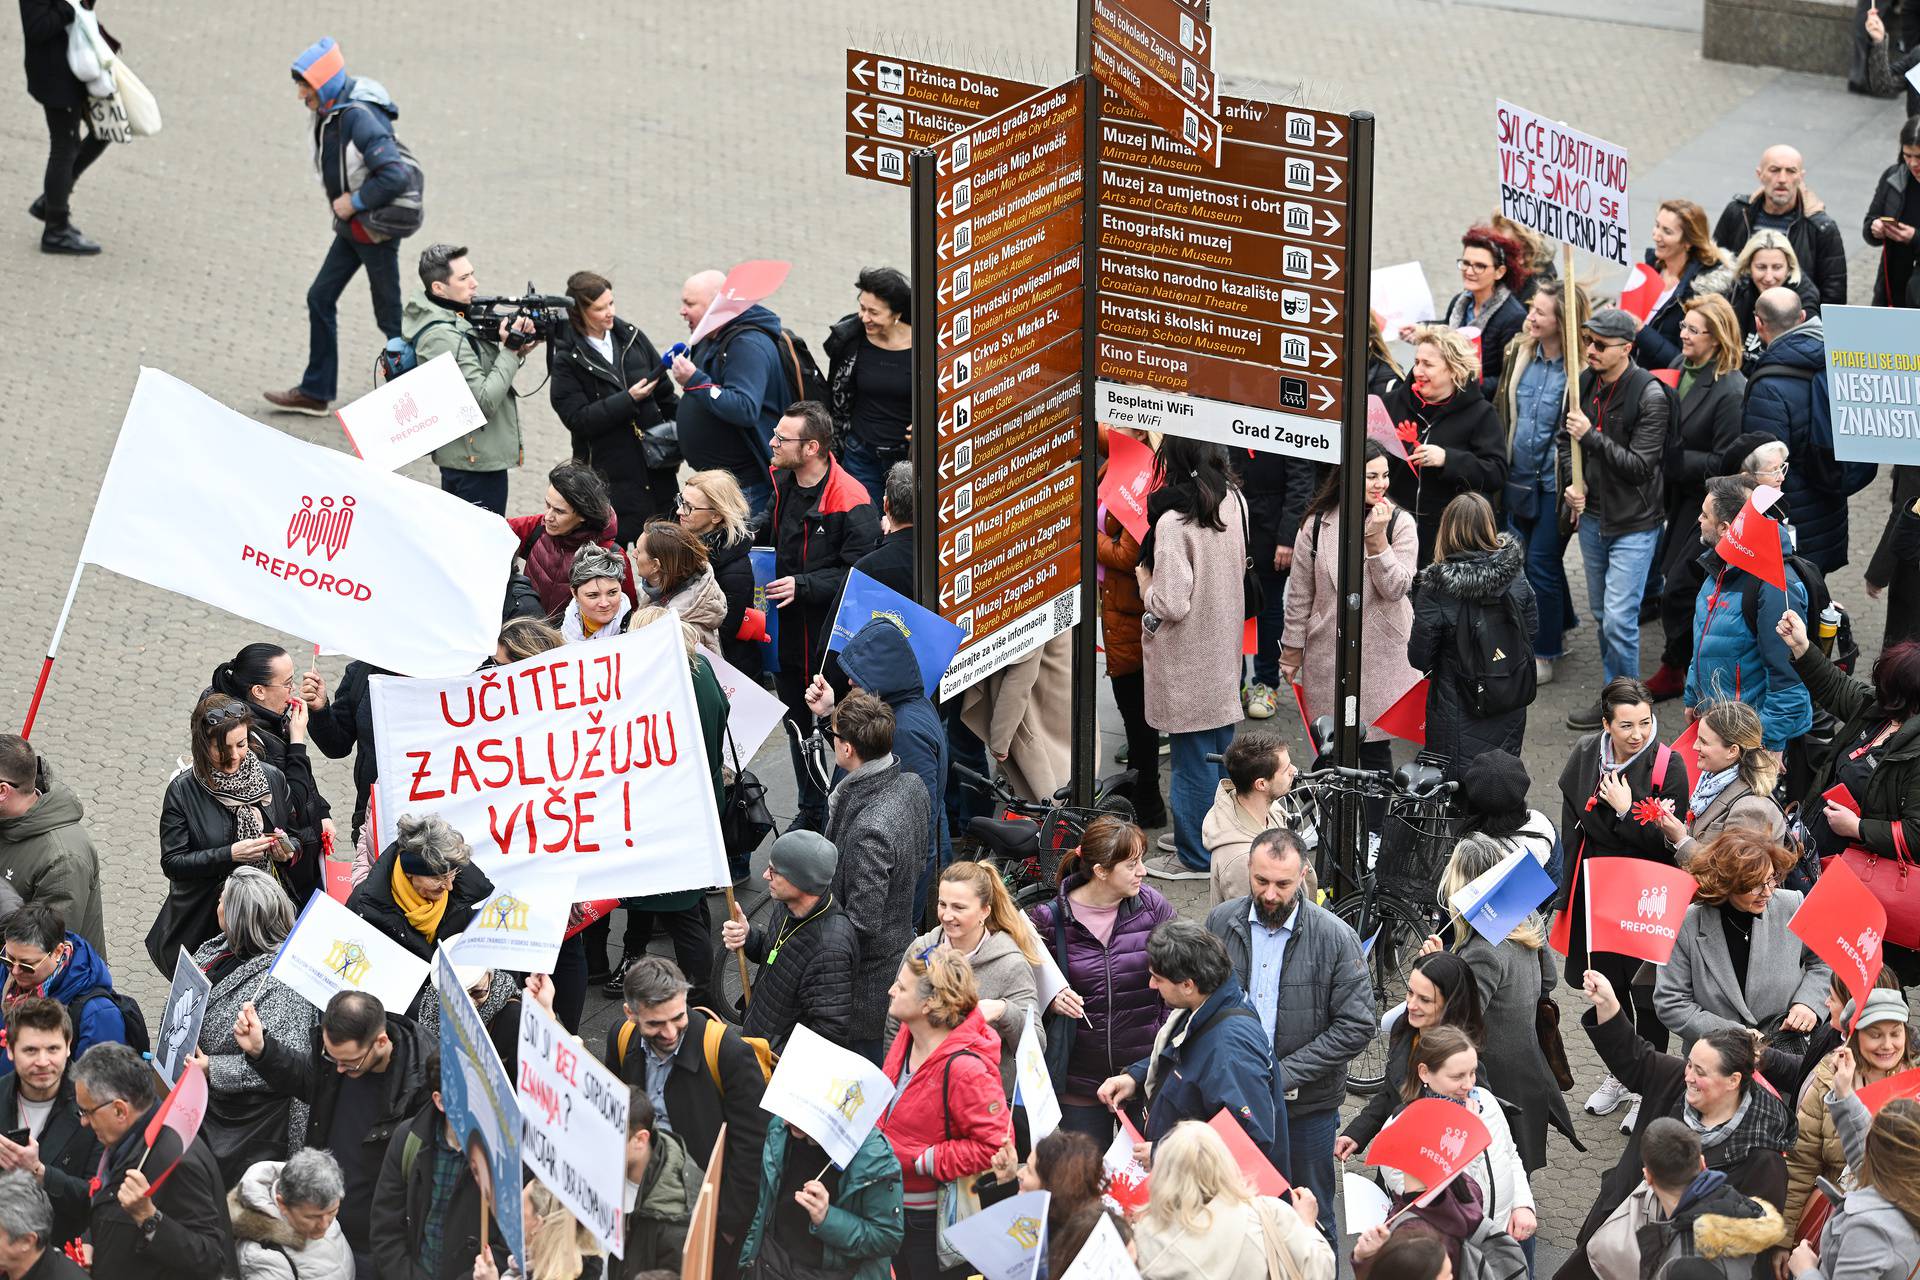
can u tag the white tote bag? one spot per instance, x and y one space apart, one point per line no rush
143 113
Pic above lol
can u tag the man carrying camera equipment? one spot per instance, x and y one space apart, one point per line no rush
474 466
374 188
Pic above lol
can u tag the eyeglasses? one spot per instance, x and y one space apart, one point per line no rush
686 506
780 439
361 1061
1694 330
1601 344
86 1113
24 966
1467 264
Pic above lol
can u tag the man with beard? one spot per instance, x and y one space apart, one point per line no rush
1323 1015
37 1098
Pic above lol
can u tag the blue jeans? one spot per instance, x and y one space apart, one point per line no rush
1310 1146
759 495
1616 579
1547 575
864 465
344 257
1268 626
1191 791
484 489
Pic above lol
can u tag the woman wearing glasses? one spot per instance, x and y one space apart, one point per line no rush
228 809
424 888
713 509
261 676
1493 274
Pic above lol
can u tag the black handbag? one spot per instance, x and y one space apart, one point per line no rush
660 446
1060 1028
744 818
1253 591
244 1127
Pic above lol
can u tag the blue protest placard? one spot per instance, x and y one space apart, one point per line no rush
1873 383
1495 902
481 1105
762 560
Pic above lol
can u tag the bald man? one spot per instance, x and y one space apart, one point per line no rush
1783 203
734 389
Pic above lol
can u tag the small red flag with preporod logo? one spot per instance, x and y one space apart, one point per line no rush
1635 906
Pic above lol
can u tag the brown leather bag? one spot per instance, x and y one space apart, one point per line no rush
1546 1028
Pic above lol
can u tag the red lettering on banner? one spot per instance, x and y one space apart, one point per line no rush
420 775
493 751
504 841
559 688
462 768
566 1065
446 711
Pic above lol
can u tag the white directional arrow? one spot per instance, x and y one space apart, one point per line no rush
1200 36
1326 355
946 508
1323 397
1325 310
860 158
946 554
942 205
946 467
946 245
1327 267
1329 225
941 381
861 114
860 71
946 595
1332 179
940 162
941 291
1331 128
946 335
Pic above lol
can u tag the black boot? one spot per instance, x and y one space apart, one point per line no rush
66 239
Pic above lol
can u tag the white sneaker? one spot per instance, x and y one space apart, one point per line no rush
1607 1097
1169 867
1543 670
1165 843
1633 1117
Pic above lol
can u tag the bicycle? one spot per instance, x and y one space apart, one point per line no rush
1025 843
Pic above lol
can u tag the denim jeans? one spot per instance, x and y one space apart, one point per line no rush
1547 575
344 257
1267 628
1310 1146
1195 780
864 465
1616 579
484 489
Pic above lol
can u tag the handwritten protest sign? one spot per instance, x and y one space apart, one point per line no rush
1567 185
573 1125
480 1106
586 760
413 415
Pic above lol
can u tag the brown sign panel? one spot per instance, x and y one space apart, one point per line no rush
932 85
988 442
1003 180
1216 378
1222 204
988 311
1167 41
1046 501
902 124
1147 96
988 612
1009 259
1265 123
880 162
1209 334
1241 164
1012 561
1007 475
1221 292
1008 346
989 223
987 398
1243 252
1031 123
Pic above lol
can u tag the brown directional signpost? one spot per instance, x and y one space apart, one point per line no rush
896 106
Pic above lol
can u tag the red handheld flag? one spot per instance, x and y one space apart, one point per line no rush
182 1112
1752 542
585 913
1875 1096
1842 923
1252 1161
1407 717
1687 747
1641 293
1128 480
1634 907
339 879
1300 701
1430 1141
1669 376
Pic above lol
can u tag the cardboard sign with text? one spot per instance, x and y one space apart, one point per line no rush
1567 185
573 1125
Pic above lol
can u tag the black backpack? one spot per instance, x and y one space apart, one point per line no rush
1493 653
797 365
137 1038
1818 597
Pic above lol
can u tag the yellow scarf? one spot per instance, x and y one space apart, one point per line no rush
588 627
422 916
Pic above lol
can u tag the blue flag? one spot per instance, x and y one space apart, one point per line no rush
763 572
932 638
1496 901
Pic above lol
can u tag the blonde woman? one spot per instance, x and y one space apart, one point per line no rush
979 921
1511 976
1737 777
558 1246
1203 1221
1767 261
1453 438
1882 1044
713 509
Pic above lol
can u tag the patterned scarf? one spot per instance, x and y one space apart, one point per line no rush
1708 789
244 792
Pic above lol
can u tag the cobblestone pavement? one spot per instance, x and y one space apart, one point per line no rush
646 143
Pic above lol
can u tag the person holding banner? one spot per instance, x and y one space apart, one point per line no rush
607 391
1881 1045
425 886
1876 1230
1744 1127
1452 436
670 567
713 509
1203 1221
160 1208
247 1120
578 514
815 1219
1493 274
600 603
1691 266
1878 757
228 809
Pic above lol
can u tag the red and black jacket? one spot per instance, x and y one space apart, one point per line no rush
815 542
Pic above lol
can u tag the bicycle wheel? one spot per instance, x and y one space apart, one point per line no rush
760 908
1397 929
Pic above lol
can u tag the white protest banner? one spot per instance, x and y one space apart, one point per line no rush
1032 1082
1400 296
332 950
314 542
1006 1240
481 1107
1564 184
179 1031
413 415
1367 1205
834 1095
573 1125
1103 1257
520 927
752 714
586 761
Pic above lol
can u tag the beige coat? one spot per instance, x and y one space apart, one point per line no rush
1817 1151
1192 659
1387 613
1227 833
1233 1247
700 603
1024 713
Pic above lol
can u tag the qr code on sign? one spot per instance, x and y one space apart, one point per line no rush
1066 610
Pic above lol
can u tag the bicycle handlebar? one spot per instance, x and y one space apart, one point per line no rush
1376 777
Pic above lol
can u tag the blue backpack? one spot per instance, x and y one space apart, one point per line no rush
402 355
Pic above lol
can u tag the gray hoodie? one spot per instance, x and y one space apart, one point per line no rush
47 856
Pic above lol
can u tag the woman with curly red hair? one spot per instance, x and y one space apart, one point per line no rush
1493 276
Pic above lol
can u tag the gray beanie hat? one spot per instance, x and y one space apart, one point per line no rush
1883 1005
807 859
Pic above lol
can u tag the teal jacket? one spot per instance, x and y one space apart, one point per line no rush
489 369
863 1227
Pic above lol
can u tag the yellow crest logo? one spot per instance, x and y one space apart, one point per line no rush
850 1095
896 620
348 961
506 914
1025 1232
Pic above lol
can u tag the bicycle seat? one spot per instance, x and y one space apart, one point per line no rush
1008 836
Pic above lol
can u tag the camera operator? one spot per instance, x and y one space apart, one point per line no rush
475 466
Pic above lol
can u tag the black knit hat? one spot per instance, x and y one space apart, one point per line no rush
1495 784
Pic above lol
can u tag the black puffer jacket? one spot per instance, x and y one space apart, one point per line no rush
372 900
1466 426
1813 233
811 979
196 856
346 724
1625 455
1492 579
590 397
732 564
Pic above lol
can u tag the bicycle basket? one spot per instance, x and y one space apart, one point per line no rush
1416 841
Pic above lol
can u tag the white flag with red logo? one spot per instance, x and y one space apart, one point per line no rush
413 415
206 502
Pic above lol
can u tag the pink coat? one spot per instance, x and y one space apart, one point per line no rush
1192 661
1386 616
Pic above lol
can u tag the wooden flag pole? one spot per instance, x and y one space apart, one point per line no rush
1570 352
740 956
